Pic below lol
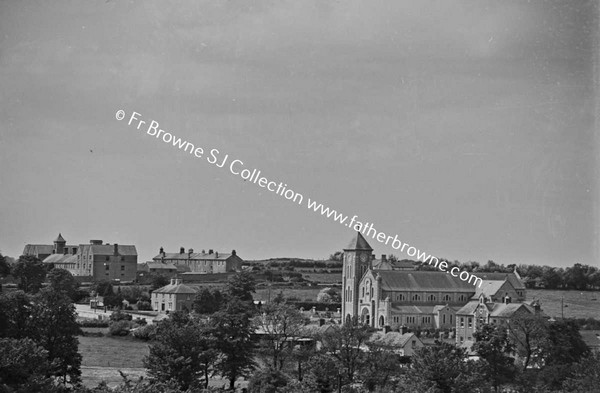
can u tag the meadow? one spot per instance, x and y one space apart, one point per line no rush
576 304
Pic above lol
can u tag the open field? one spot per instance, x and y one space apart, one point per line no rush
576 304
302 293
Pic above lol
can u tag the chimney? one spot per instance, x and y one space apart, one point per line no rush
210 252
190 251
507 299
116 249
383 257
96 242
216 254
181 250
233 252
203 252
403 329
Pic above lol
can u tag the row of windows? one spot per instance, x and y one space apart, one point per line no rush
108 267
430 298
107 258
469 321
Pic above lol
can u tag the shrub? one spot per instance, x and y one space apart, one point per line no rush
120 316
145 333
93 323
119 328
144 306
140 321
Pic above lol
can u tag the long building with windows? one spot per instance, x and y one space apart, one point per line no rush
201 262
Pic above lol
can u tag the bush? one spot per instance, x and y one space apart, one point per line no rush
120 316
119 328
144 306
93 323
140 321
145 333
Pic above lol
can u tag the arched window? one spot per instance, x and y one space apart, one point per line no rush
381 320
431 298
416 298
447 298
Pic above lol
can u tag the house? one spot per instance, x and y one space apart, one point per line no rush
402 343
95 260
173 297
203 262
167 269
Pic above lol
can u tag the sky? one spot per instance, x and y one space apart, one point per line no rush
466 128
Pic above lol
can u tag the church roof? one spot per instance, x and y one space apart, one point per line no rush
60 239
512 278
489 288
427 310
422 281
36 249
358 242
386 264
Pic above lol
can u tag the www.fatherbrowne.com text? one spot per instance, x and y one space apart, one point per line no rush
237 167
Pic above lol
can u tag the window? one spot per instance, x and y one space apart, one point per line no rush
450 318
400 297
414 343
461 339
444 318
122 267
122 259
461 298
107 267
431 298
470 322
462 322
107 258
446 298
416 297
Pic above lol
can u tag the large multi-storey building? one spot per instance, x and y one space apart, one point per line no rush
201 262
95 260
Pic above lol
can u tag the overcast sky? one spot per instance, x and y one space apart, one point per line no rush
467 128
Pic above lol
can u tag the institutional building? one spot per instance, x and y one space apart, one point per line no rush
380 295
95 260
201 262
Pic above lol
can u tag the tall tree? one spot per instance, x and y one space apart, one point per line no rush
62 280
207 301
443 368
494 348
280 324
233 333
241 286
346 344
24 366
527 333
30 272
184 352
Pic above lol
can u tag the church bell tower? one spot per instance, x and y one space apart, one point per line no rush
357 260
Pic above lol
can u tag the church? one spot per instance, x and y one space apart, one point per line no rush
381 294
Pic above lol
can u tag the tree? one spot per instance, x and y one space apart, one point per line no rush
586 376
184 352
281 324
62 280
24 366
241 286
48 319
55 318
233 333
207 301
268 381
159 281
30 272
345 345
493 346
527 334
103 288
337 256
4 266
328 295
444 368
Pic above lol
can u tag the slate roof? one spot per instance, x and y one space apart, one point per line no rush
160 265
512 278
422 281
195 255
503 310
60 258
413 309
36 249
386 264
358 242
175 288
488 288
469 308
392 339
107 249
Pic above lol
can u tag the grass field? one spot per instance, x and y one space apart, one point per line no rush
576 304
